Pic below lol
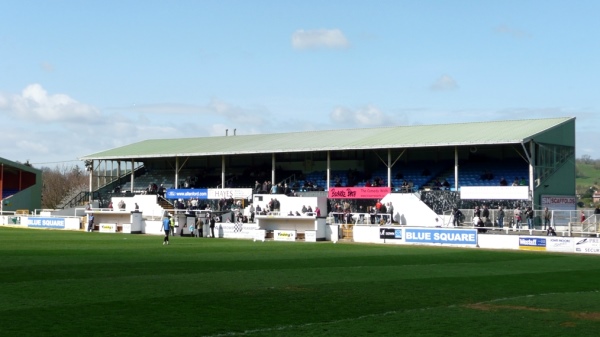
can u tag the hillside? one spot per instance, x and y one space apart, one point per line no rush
587 180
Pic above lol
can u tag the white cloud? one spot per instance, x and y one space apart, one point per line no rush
215 109
35 104
363 117
47 67
319 39
512 32
444 83
242 116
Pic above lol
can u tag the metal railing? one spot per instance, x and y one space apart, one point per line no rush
567 222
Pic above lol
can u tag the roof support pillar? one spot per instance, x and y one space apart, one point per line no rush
456 168
91 170
119 174
389 164
132 176
104 175
223 171
272 170
531 171
389 168
530 156
328 171
98 175
176 183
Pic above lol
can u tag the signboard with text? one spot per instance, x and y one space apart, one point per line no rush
559 202
284 235
358 192
54 223
108 228
587 245
210 193
560 244
390 233
532 243
463 237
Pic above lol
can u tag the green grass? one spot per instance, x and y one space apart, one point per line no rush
55 283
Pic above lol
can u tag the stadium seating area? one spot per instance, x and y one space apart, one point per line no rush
420 175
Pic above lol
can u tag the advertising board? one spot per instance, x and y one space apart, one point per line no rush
358 192
281 235
108 228
587 245
560 244
390 233
53 223
462 237
532 243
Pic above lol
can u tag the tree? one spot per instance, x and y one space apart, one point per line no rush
60 182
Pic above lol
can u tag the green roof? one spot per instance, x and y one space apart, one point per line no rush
414 136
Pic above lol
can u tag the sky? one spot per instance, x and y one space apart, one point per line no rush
79 77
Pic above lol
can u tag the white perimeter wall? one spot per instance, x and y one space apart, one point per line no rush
409 210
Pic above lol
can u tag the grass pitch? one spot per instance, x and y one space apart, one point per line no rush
57 283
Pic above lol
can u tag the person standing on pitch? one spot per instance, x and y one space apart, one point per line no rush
212 226
167 228
199 229
171 226
90 222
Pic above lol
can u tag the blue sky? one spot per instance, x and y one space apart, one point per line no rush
77 77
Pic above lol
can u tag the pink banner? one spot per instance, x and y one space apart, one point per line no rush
358 192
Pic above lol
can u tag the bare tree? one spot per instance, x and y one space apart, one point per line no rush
59 182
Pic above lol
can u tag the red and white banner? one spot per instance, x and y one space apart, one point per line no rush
358 192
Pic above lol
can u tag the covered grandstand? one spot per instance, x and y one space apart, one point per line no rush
20 186
538 153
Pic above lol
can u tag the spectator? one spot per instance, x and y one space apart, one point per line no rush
404 186
503 182
547 217
446 184
517 216
500 217
529 216
477 212
485 214
457 215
